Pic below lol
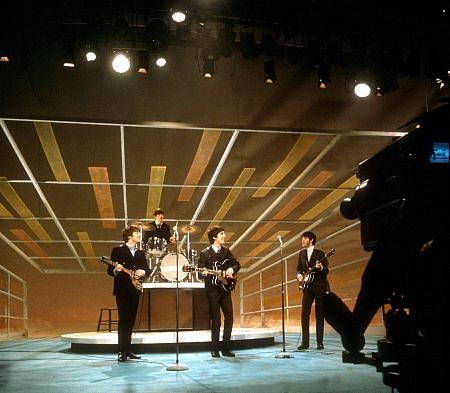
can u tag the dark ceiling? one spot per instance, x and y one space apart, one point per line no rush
85 152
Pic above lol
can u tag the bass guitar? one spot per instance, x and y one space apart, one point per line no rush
137 282
219 279
308 276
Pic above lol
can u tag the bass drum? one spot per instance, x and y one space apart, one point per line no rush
169 267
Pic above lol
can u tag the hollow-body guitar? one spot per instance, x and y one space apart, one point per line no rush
137 282
308 276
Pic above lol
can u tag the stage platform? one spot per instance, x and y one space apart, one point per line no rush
104 342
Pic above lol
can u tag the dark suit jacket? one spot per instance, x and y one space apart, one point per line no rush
207 258
122 282
162 233
320 283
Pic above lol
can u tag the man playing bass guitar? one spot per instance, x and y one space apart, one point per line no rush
214 257
313 267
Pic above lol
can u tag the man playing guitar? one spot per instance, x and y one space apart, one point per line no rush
214 257
127 258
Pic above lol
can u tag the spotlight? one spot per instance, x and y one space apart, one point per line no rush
90 52
178 15
5 54
91 55
362 89
269 71
69 53
161 61
158 35
142 62
121 62
323 76
208 66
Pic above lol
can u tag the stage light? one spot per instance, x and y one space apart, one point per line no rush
91 55
269 71
178 15
158 35
121 62
208 66
323 76
142 62
5 54
69 53
362 89
161 61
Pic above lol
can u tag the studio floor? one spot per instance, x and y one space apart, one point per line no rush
48 365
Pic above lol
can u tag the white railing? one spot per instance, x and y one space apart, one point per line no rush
14 305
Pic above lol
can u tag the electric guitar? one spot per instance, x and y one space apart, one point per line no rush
308 276
137 282
219 279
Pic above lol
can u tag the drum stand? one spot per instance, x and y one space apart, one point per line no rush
155 275
192 276
177 366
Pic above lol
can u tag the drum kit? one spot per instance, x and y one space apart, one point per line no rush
163 262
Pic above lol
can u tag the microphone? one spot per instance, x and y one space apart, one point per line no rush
175 230
280 240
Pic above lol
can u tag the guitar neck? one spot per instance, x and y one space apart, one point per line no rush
210 271
114 264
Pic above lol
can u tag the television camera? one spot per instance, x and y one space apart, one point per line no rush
402 202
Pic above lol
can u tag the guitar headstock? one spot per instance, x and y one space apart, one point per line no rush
330 253
188 268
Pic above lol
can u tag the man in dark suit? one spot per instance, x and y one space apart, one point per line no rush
127 256
214 257
312 270
158 228
156 240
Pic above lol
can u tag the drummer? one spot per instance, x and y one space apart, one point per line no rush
158 228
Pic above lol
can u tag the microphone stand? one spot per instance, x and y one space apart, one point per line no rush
177 366
283 354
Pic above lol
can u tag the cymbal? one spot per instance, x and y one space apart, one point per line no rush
143 225
189 229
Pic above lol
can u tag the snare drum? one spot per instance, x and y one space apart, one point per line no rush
169 267
156 247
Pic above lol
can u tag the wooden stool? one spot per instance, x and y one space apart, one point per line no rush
109 322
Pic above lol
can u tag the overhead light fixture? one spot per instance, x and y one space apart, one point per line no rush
161 61
90 52
5 54
323 75
69 53
269 71
142 62
362 89
158 35
121 62
179 15
208 66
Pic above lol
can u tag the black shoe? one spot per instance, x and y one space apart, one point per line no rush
121 357
215 354
132 355
228 353
319 346
303 347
